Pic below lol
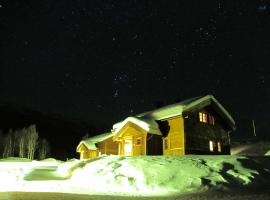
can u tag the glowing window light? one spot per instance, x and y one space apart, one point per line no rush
219 147
211 145
203 117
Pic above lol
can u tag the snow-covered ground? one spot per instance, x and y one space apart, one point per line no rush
251 148
144 176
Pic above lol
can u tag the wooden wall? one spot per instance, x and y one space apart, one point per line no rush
133 133
175 138
86 153
108 147
198 134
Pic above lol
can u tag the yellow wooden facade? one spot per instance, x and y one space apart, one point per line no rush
85 153
174 142
108 147
131 140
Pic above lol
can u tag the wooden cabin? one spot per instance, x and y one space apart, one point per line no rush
199 125
97 145
195 126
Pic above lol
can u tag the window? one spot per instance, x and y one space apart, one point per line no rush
138 141
203 117
211 145
219 146
166 144
211 120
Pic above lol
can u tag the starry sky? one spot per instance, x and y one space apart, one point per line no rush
101 61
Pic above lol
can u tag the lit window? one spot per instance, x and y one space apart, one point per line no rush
203 117
166 145
138 141
219 146
211 145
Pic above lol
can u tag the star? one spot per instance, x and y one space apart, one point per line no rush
116 94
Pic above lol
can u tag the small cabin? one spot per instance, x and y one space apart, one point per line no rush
199 125
97 145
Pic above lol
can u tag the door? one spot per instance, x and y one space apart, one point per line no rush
128 147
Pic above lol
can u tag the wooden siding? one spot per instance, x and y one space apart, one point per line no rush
85 153
199 134
175 138
132 138
108 147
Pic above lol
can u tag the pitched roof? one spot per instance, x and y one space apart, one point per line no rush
148 124
90 143
173 110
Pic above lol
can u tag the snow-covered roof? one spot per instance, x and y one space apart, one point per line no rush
90 143
148 124
147 120
183 106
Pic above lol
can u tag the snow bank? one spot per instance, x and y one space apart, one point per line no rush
251 148
144 175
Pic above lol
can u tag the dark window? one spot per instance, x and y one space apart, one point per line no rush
166 145
138 141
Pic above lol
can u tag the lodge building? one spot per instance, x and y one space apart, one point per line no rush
199 125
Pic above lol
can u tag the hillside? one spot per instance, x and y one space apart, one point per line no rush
50 126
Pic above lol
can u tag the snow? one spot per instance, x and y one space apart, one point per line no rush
135 176
148 124
251 148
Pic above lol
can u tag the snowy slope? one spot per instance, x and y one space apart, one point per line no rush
144 175
250 148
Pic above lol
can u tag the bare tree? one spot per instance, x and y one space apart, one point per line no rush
8 144
22 143
1 142
44 149
15 136
32 141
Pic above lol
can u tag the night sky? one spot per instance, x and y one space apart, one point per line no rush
101 61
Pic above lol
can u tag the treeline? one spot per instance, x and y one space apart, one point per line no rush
23 143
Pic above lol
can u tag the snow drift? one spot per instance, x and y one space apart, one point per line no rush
143 175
